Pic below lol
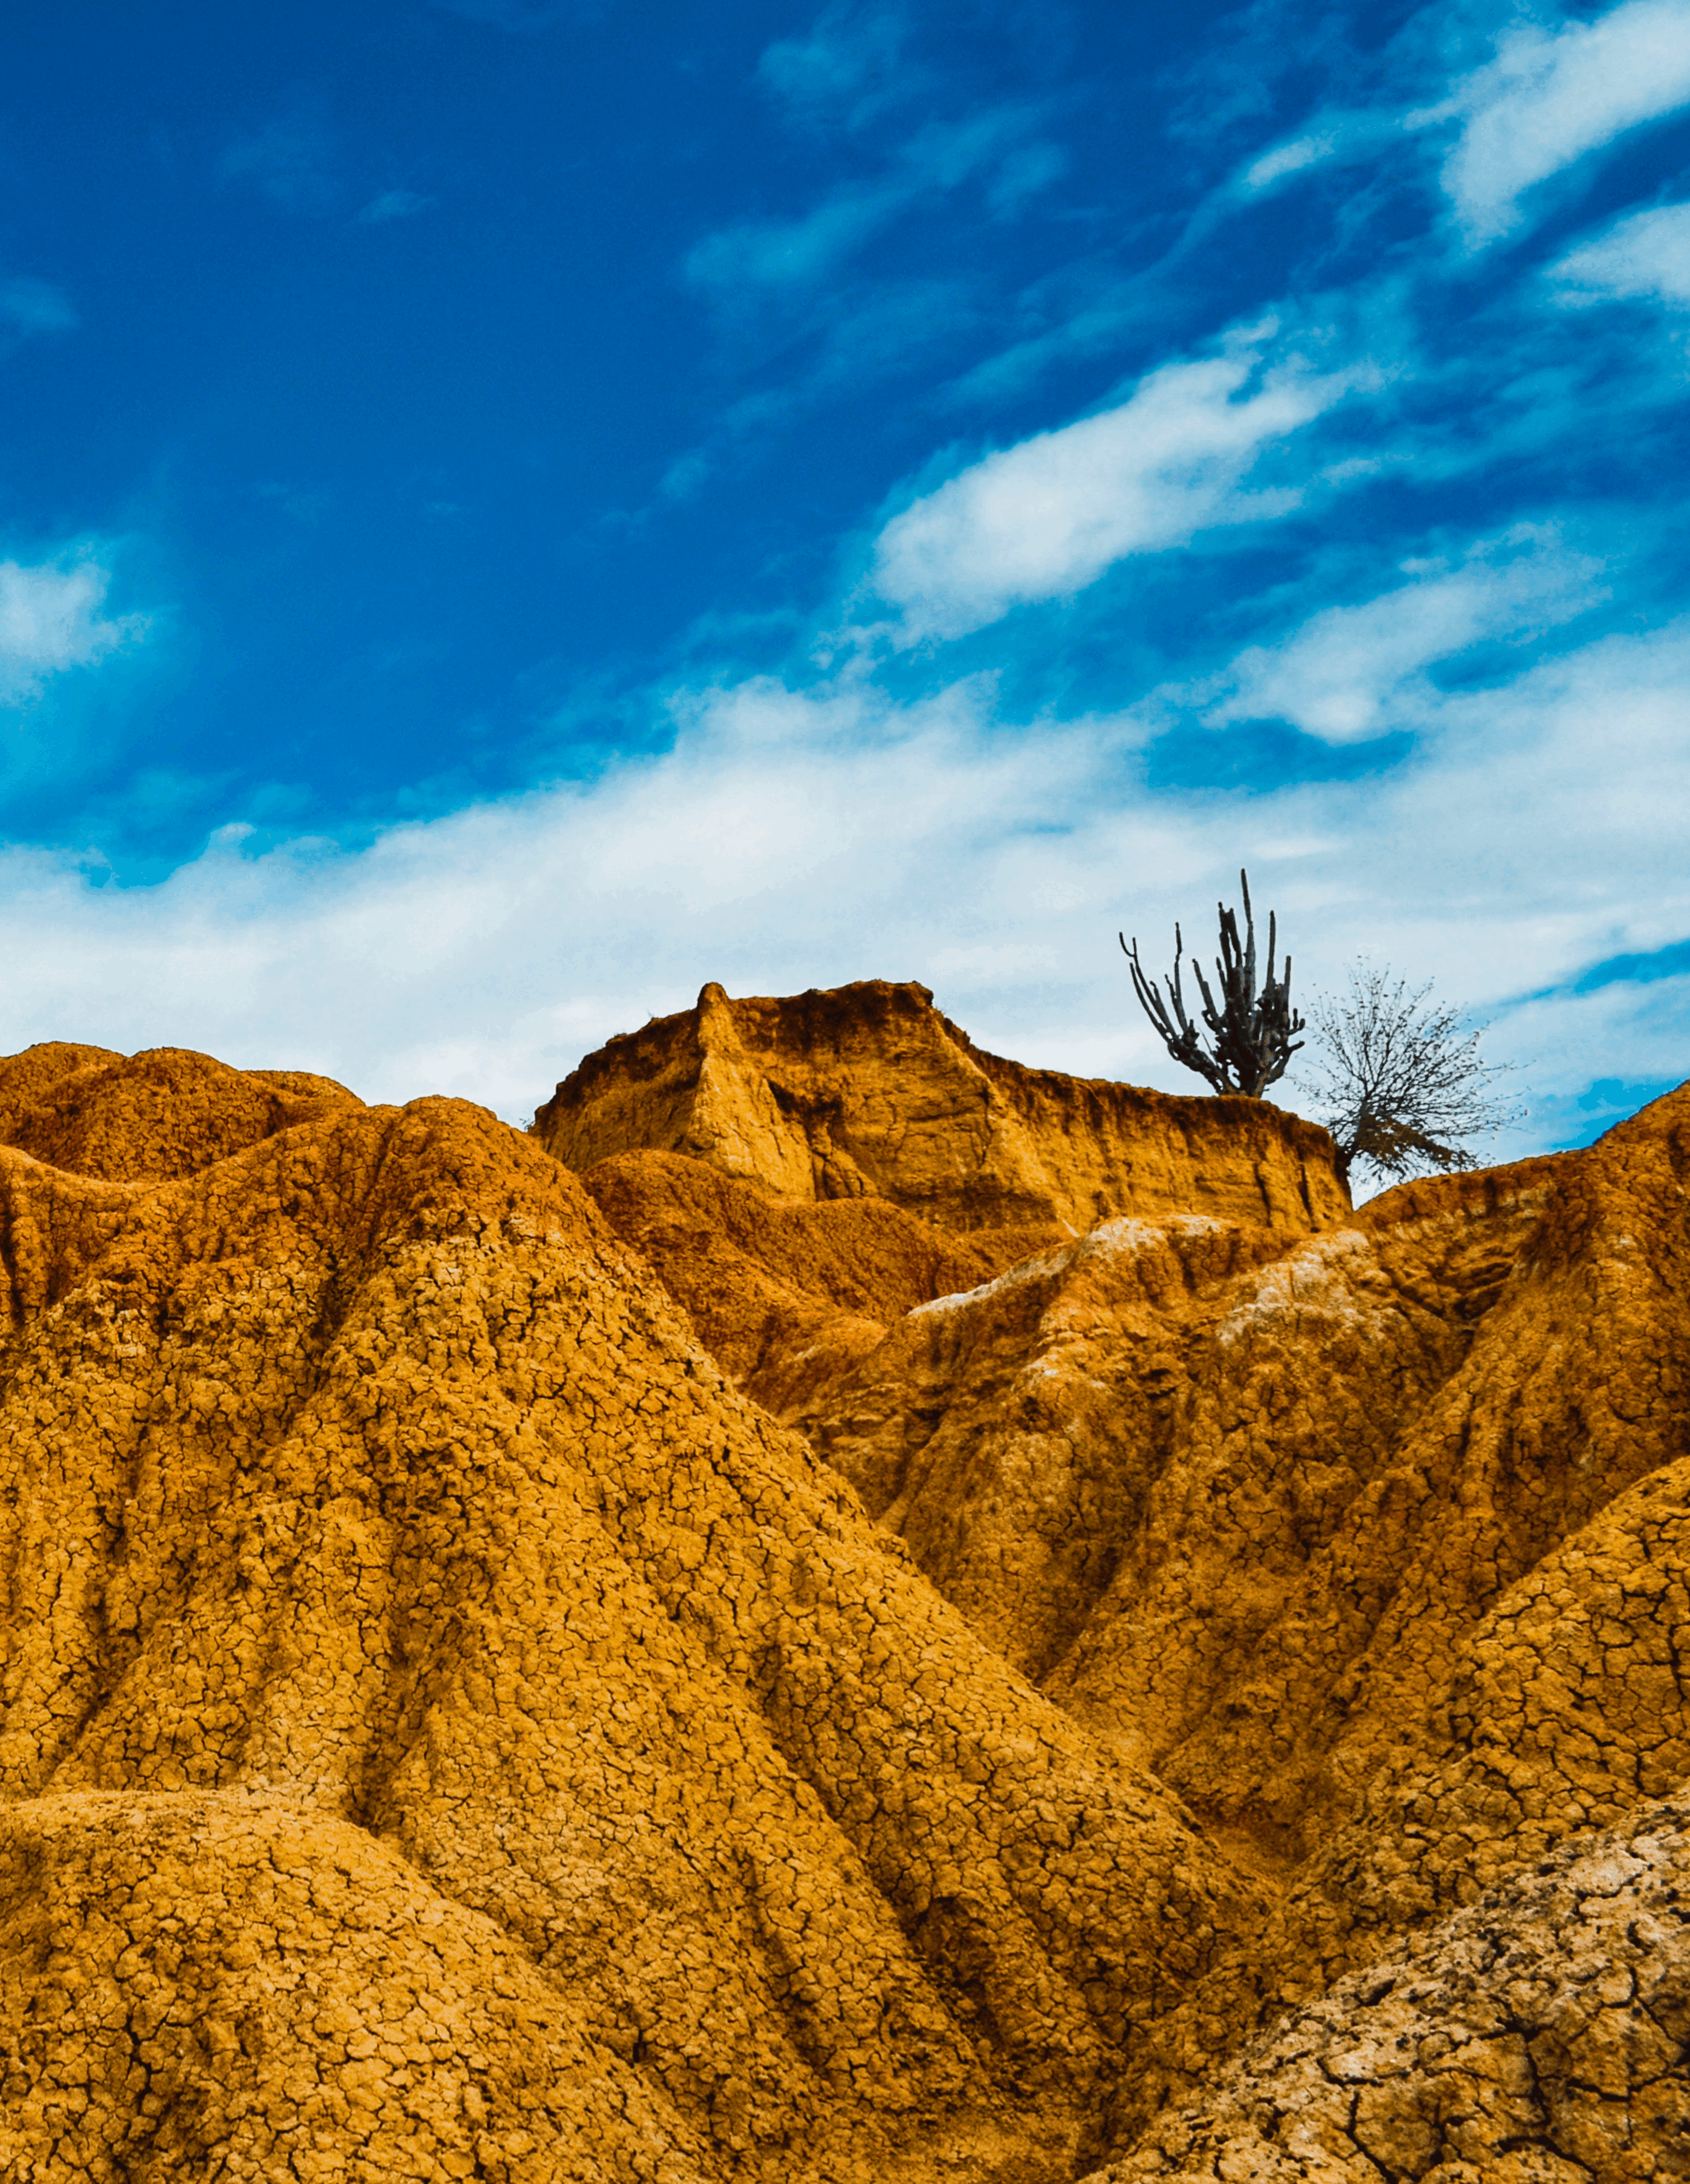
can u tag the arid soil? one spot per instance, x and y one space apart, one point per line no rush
703 1670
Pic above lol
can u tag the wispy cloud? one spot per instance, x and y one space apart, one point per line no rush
1551 97
1045 518
51 619
1647 255
850 64
293 162
1000 149
1086 310
1231 84
799 301
760 254
1332 136
1544 98
1000 146
29 306
1285 159
859 337
1351 673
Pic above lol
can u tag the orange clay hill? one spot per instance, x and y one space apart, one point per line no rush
841 1610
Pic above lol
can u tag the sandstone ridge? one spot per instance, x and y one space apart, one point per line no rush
868 1090
151 1117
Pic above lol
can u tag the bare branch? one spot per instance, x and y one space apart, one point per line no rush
1403 1089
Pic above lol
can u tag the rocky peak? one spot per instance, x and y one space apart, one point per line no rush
868 1090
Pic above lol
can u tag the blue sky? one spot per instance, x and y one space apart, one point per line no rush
508 511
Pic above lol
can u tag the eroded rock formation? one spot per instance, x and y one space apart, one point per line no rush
148 1117
663 1677
1369 1544
786 1295
445 1727
868 1091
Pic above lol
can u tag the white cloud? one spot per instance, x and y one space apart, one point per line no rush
779 831
1353 672
1291 159
793 839
1336 134
1045 518
1647 255
51 619
1549 97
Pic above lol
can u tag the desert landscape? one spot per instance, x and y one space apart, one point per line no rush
843 1128
840 1609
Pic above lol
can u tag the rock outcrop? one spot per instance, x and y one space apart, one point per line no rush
787 1296
868 1091
661 1677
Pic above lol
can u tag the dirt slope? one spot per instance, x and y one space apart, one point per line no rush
447 1731
1540 2038
787 1296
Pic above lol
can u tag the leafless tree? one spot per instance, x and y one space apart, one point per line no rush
1251 1035
1399 1082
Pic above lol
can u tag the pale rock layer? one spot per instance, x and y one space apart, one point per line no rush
1540 2038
